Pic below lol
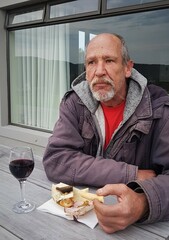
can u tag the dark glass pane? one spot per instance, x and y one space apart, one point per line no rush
73 7
33 15
123 3
146 34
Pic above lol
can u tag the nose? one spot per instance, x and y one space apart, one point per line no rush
100 69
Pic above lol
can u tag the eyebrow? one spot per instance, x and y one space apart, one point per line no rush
109 56
104 57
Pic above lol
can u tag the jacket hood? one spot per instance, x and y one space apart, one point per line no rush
81 88
136 82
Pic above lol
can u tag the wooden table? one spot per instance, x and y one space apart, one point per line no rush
39 225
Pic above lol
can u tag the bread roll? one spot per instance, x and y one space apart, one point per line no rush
91 196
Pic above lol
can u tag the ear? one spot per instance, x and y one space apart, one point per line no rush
128 69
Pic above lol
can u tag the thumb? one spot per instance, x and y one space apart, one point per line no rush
112 189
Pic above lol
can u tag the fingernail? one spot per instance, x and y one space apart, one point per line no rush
100 191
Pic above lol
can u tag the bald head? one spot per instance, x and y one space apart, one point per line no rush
109 39
103 36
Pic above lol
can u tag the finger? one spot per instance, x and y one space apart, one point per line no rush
106 228
112 189
113 226
111 223
106 210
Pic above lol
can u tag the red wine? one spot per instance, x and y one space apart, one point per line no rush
21 168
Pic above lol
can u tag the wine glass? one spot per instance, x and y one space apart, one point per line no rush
21 165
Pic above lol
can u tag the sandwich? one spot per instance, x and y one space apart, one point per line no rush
75 202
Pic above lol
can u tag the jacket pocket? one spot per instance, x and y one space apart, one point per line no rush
127 152
130 147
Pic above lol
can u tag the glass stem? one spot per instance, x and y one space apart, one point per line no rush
22 188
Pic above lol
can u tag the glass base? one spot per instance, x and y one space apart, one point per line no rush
23 207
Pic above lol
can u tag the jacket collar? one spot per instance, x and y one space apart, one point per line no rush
136 82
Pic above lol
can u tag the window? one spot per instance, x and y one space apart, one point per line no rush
123 3
39 74
26 16
71 8
45 58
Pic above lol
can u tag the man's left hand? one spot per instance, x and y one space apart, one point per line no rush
131 207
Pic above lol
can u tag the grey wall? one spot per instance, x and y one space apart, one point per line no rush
3 72
7 4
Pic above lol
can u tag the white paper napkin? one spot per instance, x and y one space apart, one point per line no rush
50 206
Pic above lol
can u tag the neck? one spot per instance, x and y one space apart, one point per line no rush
113 103
116 100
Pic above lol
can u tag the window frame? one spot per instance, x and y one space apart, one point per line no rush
134 8
101 12
23 10
70 17
46 15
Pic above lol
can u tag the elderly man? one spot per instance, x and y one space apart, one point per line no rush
113 131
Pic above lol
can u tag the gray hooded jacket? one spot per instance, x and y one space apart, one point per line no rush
75 153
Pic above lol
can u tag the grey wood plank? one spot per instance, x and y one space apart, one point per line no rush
156 228
4 151
6 235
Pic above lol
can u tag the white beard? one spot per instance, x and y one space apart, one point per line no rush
99 95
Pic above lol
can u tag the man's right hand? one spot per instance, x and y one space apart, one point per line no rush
145 174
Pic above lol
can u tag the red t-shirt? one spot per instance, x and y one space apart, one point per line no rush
113 117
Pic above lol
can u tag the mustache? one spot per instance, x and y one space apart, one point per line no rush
102 80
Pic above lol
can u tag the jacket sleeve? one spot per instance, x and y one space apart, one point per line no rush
65 160
157 188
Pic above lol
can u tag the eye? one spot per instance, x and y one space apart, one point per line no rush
109 60
90 62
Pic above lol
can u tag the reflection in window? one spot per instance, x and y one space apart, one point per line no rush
92 36
146 34
123 3
26 17
73 7
81 50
